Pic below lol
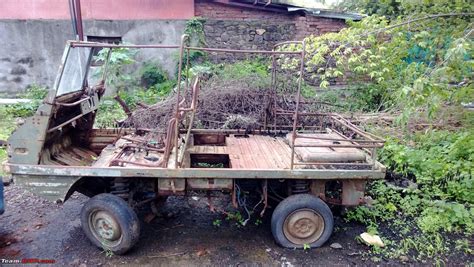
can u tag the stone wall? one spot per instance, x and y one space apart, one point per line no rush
244 28
31 50
252 35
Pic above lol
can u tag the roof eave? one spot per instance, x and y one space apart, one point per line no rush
328 13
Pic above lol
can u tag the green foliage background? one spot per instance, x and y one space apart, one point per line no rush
407 55
413 57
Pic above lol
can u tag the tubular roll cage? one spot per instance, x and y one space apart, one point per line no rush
369 143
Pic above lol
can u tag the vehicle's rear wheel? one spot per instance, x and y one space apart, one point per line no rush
302 220
110 223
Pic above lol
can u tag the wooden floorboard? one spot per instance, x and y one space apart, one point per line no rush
252 152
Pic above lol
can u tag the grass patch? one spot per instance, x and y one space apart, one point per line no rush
7 125
9 113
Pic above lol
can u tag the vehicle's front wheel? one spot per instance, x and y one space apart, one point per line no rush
302 220
110 223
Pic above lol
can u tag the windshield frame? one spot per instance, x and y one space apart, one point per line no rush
66 82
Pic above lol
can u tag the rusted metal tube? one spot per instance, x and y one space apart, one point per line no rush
298 98
134 163
286 43
334 145
79 26
106 66
333 163
144 147
195 92
225 50
65 123
187 68
73 103
351 126
178 103
105 45
335 139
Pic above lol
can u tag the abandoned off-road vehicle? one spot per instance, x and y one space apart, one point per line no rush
303 160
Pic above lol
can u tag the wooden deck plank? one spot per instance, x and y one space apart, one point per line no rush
252 152
273 149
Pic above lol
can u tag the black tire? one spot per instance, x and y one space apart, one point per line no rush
102 214
311 207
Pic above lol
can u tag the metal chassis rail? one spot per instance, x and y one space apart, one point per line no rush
194 173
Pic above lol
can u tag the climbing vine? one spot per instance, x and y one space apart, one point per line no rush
195 29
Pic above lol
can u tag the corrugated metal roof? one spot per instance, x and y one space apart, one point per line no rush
303 3
328 13
310 7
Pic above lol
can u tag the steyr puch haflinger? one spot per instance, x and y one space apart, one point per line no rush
301 168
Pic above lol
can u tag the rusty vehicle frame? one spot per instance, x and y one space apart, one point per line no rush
57 152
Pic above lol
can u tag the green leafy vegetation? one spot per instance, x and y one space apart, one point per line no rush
151 74
421 58
195 29
208 165
255 72
9 113
413 59
35 94
237 217
429 204
108 253
119 59
147 85
109 114
217 223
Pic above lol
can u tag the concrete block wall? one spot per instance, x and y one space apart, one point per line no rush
31 50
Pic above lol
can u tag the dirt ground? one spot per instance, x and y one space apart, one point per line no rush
33 228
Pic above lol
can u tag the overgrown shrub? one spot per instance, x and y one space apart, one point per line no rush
395 63
435 200
151 74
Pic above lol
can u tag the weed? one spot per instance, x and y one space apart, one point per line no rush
108 253
208 165
152 74
109 114
119 59
306 247
463 245
195 29
237 217
35 94
440 164
217 223
8 113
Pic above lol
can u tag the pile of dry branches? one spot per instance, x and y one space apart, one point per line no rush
221 104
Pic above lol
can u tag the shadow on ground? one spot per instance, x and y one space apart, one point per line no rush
184 235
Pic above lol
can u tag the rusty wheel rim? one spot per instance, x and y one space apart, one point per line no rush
105 228
303 226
